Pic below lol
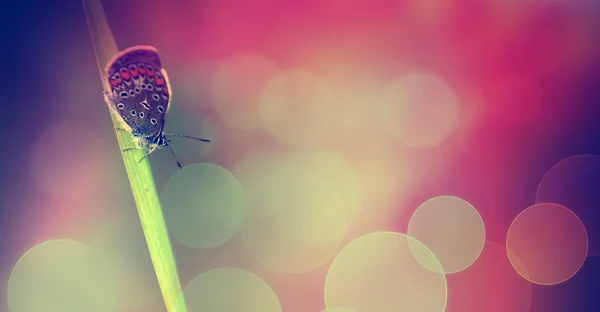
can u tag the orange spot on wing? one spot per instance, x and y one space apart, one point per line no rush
165 91
133 73
159 81
125 75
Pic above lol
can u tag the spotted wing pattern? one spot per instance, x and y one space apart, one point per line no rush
140 90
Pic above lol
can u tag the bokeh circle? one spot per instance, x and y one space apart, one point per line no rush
419 109
229 290
452 228
297 107
235 89
550 242
61 276
378 272
204 205
573 183
299 208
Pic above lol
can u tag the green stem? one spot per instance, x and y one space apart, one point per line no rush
140 174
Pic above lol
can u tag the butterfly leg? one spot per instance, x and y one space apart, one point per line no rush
147 154
131 149
138 148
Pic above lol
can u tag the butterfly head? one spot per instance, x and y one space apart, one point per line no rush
150 144
161 140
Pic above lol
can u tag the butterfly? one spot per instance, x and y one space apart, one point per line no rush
140 92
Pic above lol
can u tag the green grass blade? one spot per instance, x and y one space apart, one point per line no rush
140 174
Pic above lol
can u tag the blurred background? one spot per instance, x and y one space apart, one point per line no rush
367 155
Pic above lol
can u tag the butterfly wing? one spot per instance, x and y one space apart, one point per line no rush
143 54
139 89
168 91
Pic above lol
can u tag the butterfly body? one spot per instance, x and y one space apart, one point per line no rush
140 94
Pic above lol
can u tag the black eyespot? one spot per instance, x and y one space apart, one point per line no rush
155 97
160 108
123 94
153 121
131 66
132 113
141 66
131 93
141 114
117 76
137 90
123 70
150 87
143 85
120 106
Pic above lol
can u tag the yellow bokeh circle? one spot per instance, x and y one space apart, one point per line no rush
61 276
378 272
229 290
299 209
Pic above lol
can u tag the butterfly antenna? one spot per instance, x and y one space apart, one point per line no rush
174 157
187 136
